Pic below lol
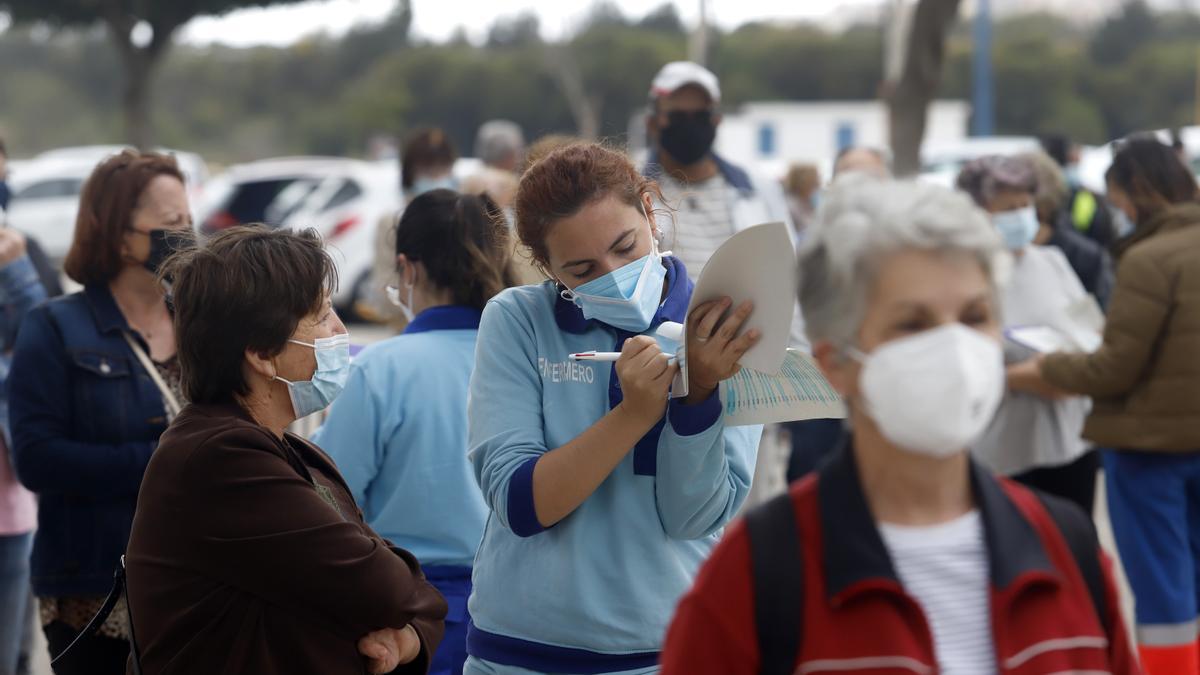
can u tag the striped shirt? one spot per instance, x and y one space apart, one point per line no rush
702 222
944 568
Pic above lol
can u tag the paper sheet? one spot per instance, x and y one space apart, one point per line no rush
797 392
1079 328
758 264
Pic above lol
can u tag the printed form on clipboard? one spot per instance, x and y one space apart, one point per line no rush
776 384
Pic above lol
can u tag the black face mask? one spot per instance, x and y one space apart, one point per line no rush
688 137
166 243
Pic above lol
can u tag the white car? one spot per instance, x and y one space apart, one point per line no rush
45 201
46 190
343 199
942 162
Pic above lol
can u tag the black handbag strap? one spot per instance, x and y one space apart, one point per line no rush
777 566
118 589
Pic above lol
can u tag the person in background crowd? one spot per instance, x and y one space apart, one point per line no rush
1035 440
715 198
870 161
1145 382
46 271
812 441
1089 213
605 496
902 554
20 291
500 145
426 163
398 432
545 145
1090 261
248 552
94 382
712 200
802 186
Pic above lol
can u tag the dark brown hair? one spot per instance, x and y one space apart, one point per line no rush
425 148
246 289
1153 176
110 196
566 180
461 241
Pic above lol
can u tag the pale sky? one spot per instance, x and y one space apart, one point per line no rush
438 19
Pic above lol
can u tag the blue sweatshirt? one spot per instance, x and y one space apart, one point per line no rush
595 592
398 434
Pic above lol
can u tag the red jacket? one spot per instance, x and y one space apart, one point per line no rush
856 615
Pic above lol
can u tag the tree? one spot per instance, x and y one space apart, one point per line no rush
664 19
1124 33
920 76
515 31
141 31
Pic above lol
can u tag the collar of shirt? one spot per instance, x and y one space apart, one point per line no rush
445 317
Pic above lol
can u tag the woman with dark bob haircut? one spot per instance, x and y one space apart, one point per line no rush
248 553
94 383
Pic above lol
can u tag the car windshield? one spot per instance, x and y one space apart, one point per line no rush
50 189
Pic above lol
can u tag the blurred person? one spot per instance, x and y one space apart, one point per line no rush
46 271
545 145
802 187
605 496
712 199
1090 261
398 432
248 552
5 192
861 159
20 291
902 554
1145 382
1089 213
500 145
715 198
94 383
427 160
1035 440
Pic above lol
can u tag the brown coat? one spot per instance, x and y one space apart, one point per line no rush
1145 379
238 564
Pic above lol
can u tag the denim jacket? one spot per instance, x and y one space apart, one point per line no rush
85 419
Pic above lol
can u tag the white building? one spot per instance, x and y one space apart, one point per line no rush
771 135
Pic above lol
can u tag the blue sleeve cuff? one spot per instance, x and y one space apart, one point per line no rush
522 516
689 420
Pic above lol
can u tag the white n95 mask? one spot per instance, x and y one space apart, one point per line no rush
933 393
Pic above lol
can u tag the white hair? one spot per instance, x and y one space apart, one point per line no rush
863 221
498 140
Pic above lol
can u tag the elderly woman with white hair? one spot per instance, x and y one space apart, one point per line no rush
902 554
1034 439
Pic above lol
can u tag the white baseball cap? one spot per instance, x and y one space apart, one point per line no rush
678 74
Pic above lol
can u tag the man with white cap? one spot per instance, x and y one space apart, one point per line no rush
714 198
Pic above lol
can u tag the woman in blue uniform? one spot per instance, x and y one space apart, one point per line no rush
605 495
398 431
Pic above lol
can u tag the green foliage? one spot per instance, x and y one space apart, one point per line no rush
330 96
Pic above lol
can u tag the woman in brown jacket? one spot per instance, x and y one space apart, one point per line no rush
1145 382
248 553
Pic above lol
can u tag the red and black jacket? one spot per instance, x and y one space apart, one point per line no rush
857 617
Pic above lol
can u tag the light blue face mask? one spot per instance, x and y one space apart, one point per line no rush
626 298
333 367
422 185
1018 227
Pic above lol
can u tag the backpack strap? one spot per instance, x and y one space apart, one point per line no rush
1080 534
777 568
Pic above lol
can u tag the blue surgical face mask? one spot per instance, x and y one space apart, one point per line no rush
1018 227
1071 173
422 185
333 367
626 298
